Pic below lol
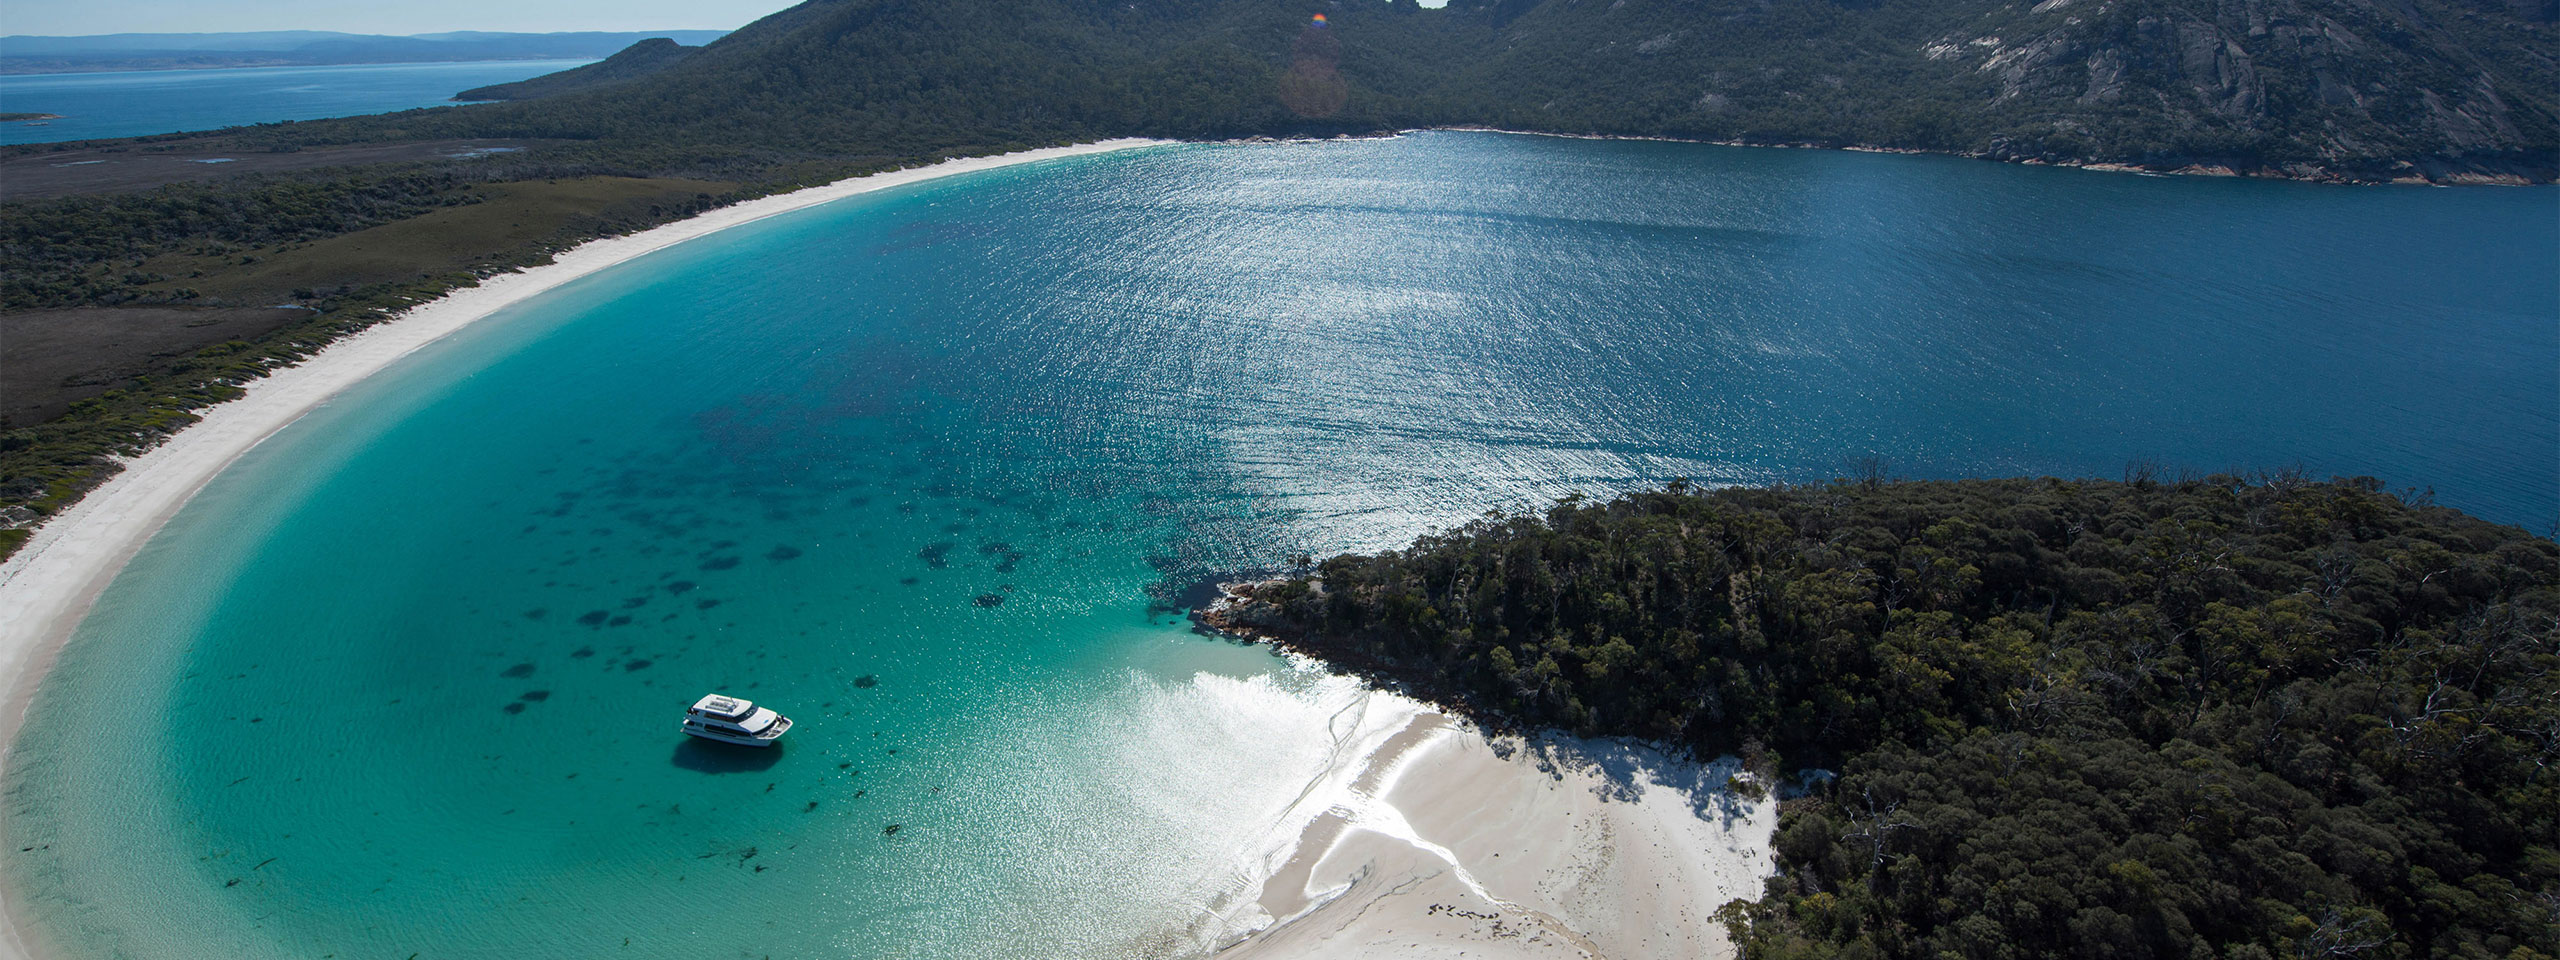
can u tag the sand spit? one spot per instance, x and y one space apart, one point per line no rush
52 581
1451 843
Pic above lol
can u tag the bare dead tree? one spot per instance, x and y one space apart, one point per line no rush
1876 828
2333 572
2342 933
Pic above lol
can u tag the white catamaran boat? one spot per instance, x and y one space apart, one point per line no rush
732 720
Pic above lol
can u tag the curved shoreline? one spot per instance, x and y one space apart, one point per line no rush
51 582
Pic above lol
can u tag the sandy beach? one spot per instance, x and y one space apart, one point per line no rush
1431 838
1450 843
51 583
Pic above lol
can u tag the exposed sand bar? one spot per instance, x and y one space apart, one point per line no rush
52 582
1453 844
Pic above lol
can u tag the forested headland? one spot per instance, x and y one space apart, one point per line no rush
2194 718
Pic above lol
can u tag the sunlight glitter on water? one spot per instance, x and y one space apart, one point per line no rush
921 469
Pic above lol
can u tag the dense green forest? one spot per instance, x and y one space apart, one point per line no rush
2191 718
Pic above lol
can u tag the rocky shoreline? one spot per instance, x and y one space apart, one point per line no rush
2424 172
1243 613
1238 613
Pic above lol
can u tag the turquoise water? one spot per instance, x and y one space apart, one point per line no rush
919 469
142 102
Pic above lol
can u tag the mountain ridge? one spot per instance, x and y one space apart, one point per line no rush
632 63
2360 90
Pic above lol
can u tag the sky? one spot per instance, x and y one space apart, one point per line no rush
33 17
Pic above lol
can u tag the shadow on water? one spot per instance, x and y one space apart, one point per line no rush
1182 592
707 757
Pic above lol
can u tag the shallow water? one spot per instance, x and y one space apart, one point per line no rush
135 103
918 467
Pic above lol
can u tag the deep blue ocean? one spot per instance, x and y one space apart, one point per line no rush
142 102
919 467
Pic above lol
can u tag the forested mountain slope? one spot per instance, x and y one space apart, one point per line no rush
859 78
2362 89
2206 718
631 63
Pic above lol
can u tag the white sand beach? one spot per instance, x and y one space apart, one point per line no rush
51 583
1453 844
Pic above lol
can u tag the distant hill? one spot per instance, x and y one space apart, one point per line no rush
167 51
129 43
634 62
2443 90
2368 89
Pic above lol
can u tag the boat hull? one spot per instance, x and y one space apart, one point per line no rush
739 738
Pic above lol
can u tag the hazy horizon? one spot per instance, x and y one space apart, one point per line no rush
349 33
233 16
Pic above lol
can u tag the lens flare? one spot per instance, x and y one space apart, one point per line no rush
1318 20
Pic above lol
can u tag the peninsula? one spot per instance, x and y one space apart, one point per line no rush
2209 716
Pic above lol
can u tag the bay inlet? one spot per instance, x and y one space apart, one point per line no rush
411 659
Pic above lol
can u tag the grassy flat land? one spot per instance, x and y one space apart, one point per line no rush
84 383
494 227
53 358
41 170
50 359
